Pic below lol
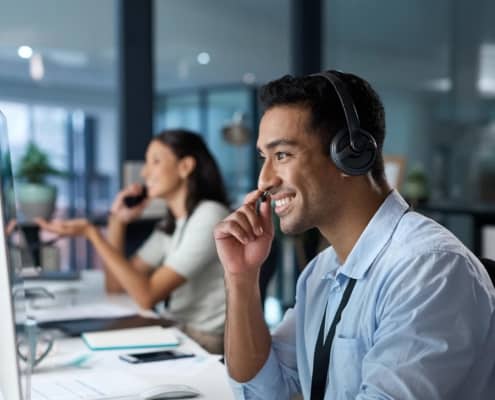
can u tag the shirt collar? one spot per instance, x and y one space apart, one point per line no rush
374 237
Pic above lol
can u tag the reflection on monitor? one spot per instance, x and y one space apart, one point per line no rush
12 381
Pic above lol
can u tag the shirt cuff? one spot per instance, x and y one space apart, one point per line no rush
260 386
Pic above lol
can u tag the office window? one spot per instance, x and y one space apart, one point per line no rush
178 110
206 70
18 123
237 161
432 64
50 133
74 142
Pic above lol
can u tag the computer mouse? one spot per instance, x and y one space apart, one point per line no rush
169 391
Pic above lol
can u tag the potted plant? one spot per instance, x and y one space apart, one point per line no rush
415 188
35 195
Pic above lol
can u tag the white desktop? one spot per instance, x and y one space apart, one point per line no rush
71 370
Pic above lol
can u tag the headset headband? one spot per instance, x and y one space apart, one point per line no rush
350 112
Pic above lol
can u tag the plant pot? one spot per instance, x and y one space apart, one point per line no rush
36 200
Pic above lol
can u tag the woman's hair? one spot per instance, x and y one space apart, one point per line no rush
205 181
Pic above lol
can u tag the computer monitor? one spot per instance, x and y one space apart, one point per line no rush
13 382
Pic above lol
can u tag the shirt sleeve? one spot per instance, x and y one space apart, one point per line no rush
424 344
278 378
153 250
196 247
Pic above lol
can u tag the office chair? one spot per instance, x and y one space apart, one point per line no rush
490 267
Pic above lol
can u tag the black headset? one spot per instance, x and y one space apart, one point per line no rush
352 149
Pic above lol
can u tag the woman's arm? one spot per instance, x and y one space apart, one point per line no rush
112 284
116 237
118 220
144 289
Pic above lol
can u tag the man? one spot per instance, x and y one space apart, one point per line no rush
416 307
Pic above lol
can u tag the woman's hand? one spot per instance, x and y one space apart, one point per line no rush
128 214
244 238
11 225
68 227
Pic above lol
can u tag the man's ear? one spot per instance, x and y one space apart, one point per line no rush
186 166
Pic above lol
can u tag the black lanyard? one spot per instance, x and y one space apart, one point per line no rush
321 361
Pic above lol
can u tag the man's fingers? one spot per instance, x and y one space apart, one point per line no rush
243 218
266 216
245 224
262 222
253 219
231 228
251 197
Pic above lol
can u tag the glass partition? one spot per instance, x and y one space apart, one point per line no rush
235 157
179 110
433 65
211 112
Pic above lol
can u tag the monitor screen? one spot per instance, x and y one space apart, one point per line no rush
13 381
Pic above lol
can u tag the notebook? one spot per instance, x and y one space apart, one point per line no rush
131 338
76 327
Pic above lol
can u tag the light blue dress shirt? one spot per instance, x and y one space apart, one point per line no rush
420 323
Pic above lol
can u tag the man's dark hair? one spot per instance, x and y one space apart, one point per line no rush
318 95
205 182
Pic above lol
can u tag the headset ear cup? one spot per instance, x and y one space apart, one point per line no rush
350 161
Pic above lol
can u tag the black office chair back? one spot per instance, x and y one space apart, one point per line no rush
490 267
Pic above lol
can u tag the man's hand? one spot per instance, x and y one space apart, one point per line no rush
243 239
70 227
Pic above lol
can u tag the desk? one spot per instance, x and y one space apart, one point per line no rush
204 372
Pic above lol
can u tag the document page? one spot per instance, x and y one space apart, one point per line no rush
87 386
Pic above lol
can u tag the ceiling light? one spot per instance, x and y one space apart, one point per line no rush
486 80
438 85
249 78
36 67
203 58
25 52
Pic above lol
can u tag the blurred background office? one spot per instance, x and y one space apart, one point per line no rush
88 82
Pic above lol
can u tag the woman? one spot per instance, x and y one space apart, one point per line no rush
179 260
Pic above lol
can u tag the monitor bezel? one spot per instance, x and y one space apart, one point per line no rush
11 383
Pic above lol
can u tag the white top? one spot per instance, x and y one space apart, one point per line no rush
190 251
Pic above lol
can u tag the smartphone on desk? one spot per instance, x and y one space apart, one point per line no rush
160 355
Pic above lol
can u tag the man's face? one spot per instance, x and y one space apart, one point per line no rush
299 175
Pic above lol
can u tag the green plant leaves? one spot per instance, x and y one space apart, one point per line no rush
34 166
